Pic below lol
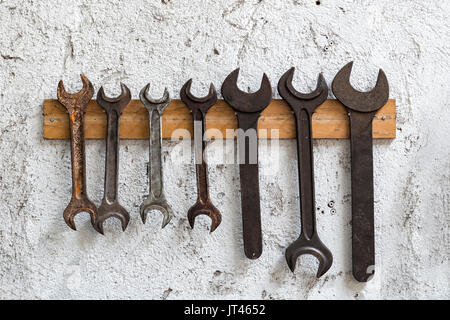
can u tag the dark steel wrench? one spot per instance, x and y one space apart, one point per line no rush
303 106
156 200
362 108
76 104
110 204
248 108
199 108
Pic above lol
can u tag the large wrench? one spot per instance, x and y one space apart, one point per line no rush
199 108
362 108
248 108
156 200
110 204
76 104
303 106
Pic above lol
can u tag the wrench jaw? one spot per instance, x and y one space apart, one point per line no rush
111 210
298 100
77 206
313 247
151 104
76 101
114 104
243 101
203 104
160 205
356 100
206 209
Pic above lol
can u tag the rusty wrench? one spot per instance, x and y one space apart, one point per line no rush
362 108
110 204
303 106
156 200
76 104
248 108
199 108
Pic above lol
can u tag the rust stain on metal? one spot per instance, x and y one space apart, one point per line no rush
76 104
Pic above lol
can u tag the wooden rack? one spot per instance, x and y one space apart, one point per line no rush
329 122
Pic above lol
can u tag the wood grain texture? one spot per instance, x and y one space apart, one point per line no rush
329 122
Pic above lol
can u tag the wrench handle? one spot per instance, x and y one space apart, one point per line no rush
306 172
112 156
249 176
202 182
200 160
77 146
362 195
155 156
251 210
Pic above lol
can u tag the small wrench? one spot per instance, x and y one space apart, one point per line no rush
76 104
156 200
248 108
303 106
110 204
362 108
199 108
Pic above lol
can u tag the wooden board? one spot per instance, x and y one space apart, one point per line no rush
329 122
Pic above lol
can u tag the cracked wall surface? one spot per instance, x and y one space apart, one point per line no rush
166 43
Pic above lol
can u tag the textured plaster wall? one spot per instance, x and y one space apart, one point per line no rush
167 42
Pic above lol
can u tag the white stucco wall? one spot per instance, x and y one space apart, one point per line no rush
166 43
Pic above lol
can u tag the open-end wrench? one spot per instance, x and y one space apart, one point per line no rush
110 204
199 108
156 200
362 108
303 106
76 104
248 108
